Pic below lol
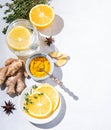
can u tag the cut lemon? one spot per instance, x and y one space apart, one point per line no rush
52 93
41 15
19 38
39 106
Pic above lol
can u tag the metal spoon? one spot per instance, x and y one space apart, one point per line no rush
41 68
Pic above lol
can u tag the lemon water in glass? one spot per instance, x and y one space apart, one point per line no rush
22 38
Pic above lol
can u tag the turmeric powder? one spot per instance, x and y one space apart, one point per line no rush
36 64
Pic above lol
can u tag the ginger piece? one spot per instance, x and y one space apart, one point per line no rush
55 54
25 74
15 83
61 62
3 72
13 66
9 61
13 75
20 82
61 59
10 83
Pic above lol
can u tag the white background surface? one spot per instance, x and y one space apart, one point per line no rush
85 35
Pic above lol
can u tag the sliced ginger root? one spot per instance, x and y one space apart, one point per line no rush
55 54
61 59
61 62
3 72
14 64
16 80
13 76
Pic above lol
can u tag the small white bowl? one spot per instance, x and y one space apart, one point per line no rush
32 119
39 55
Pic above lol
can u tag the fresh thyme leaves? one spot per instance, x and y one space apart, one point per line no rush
35 97
31 98
34 86
40 93
26 94
31 91
28 101
5 30
25 108
17 9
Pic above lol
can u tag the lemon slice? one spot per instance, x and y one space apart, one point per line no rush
40 105
41 15
52 93
19 38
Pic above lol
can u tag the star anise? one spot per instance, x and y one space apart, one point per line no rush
9 106
49 40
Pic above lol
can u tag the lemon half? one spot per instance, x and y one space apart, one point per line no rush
41 15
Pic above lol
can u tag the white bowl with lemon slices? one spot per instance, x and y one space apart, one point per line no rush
40 103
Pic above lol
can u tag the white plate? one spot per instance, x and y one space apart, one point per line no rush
35 120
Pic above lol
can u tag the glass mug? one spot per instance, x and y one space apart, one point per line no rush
22 38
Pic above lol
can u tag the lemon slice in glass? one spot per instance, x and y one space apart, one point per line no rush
19 38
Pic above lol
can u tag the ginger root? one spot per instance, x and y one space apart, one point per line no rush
13 75
61 59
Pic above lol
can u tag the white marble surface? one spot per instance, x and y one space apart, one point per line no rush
82 31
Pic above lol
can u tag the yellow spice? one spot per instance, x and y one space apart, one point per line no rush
39 66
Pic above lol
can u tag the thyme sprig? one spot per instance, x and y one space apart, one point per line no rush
27 99
17 9
25 108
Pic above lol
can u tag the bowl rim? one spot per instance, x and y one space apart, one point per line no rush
32 119
38 55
